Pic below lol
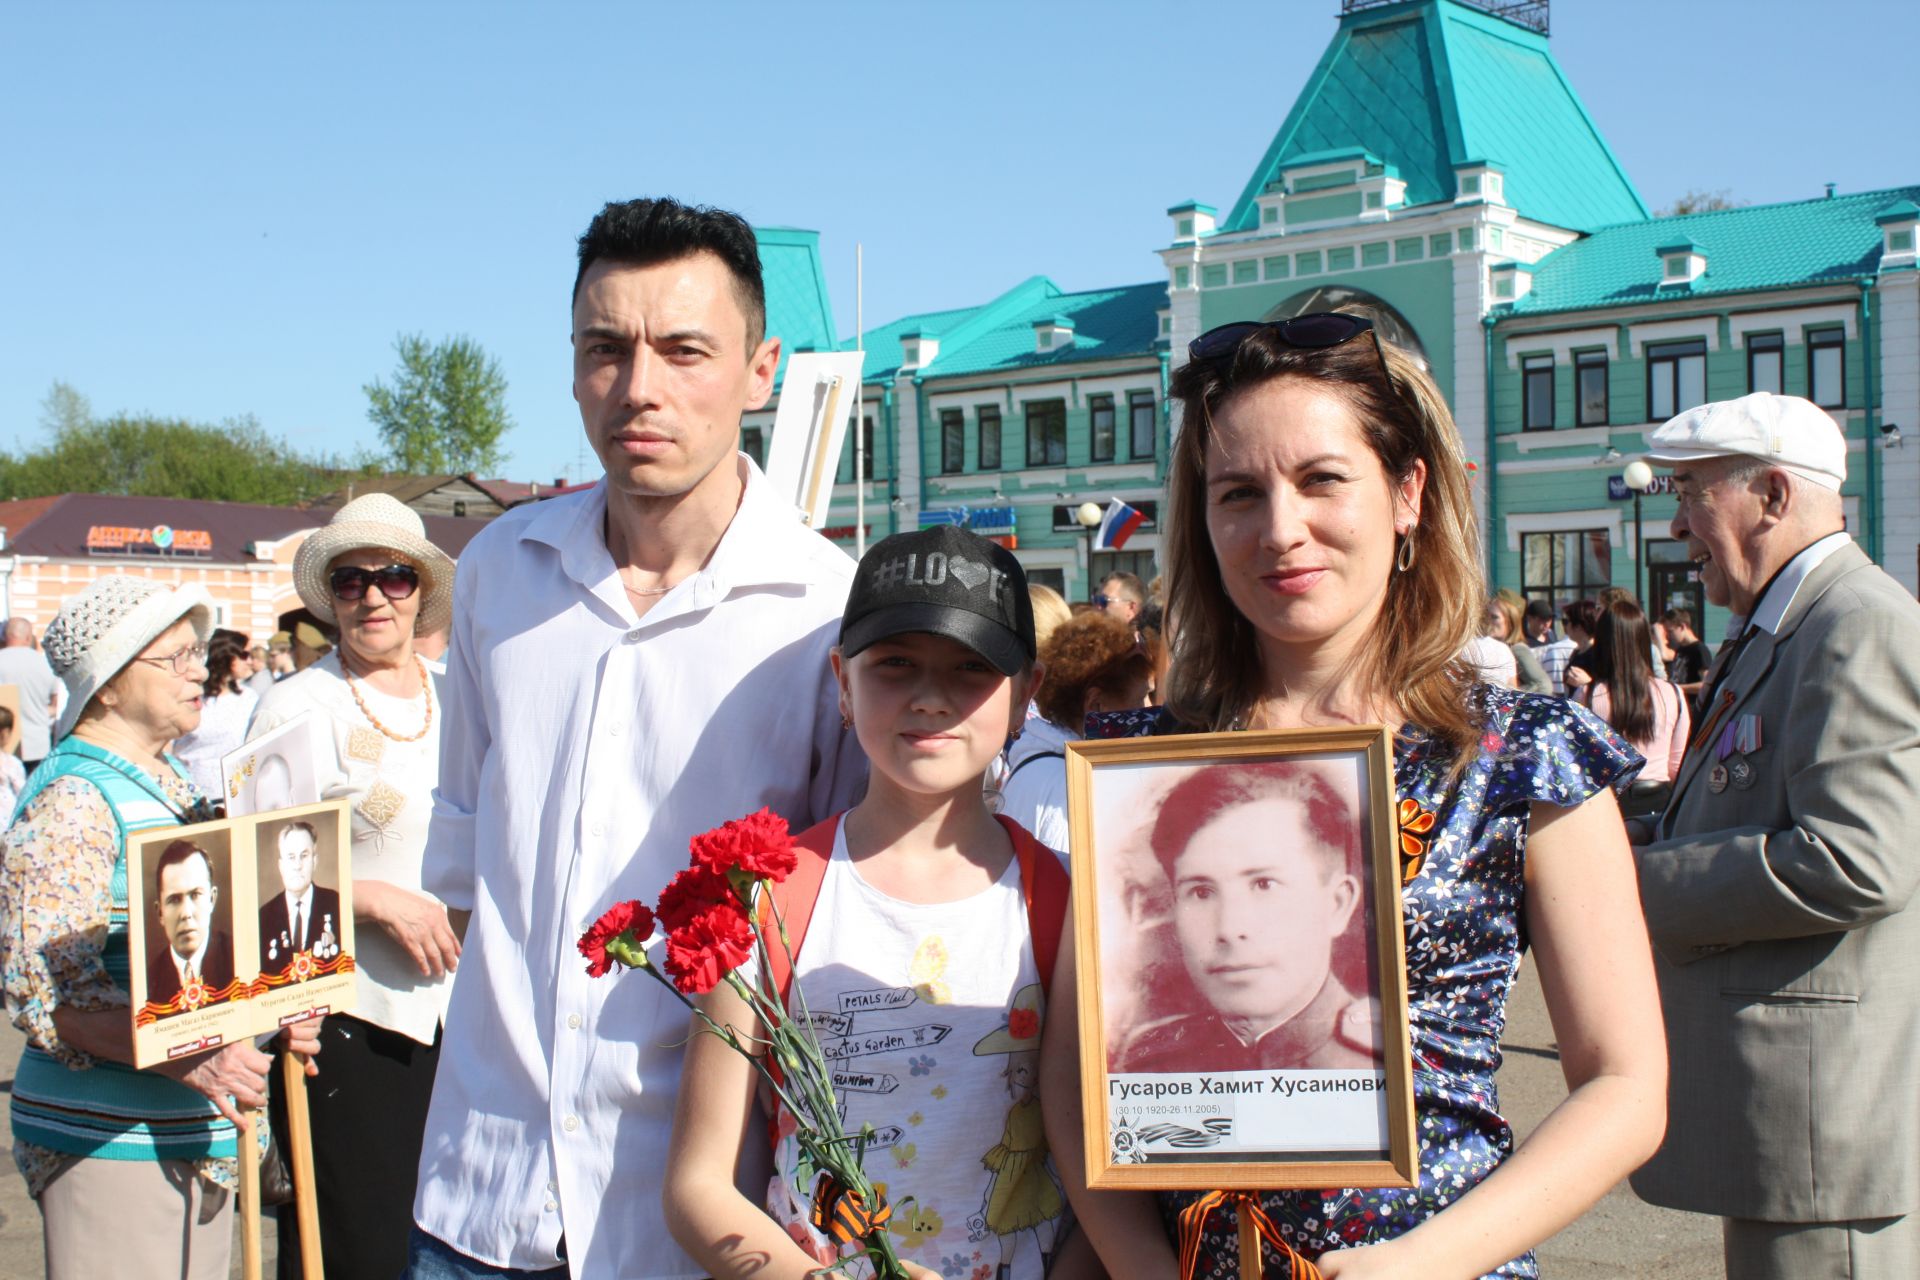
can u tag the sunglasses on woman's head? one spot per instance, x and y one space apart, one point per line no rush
396 582
1315 332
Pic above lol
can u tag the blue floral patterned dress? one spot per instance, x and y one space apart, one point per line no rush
1463 852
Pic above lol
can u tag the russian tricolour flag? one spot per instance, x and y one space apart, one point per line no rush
1117 526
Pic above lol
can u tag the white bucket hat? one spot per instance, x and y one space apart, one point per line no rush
101 630
380 522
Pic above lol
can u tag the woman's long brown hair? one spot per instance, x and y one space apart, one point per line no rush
1431 610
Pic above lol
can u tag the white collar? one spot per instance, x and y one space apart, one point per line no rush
765 544
1772 609
189 964
303 899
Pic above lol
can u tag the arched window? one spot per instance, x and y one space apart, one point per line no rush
1392 326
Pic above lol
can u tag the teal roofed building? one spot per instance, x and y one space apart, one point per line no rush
1438 170
1006 416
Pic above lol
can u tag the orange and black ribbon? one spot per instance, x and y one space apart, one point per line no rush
844 1214
1193 1222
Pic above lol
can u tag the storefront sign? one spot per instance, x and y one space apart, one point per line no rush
985 521
1617 490
1066 516
160 540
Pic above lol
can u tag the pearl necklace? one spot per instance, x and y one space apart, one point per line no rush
353 688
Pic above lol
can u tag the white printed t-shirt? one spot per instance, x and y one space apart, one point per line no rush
930 1016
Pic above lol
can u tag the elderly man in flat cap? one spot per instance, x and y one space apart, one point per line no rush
1778 881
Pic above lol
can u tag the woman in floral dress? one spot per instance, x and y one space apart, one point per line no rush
1323 565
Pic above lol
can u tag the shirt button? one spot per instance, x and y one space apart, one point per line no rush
599 828
552 1206
570 1123
613 730
553 1186
573 1022
633 637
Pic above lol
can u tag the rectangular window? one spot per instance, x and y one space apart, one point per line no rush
1277 267
1466 239
988 416
953 441
845 475
1440 244
1409 249
1101 407
1306 264
1181 275
1827 367
1374 255
1213 277
1142 423
1567 566
1590 385
1340 259
1676 378
1046 433
1270 214
1246 271
1536 393
1766 362
753 443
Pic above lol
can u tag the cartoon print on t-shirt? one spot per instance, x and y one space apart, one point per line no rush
1023 1194
929 971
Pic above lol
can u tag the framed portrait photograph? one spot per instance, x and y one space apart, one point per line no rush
237 927
1242 978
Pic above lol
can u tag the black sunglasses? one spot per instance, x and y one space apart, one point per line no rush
396 582
1314 332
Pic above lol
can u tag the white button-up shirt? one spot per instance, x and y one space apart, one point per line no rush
582 747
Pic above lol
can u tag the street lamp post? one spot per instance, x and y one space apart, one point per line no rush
1638 477
1089 514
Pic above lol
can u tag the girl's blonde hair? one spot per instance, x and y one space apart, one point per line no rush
1432 609
1049 611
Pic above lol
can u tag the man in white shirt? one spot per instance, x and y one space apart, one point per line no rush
630 666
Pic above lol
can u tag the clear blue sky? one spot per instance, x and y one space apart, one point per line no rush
220 209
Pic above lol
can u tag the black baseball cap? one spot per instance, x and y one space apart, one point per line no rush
949 582
1538 608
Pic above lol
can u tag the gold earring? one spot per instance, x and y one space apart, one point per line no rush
846 721
1403 561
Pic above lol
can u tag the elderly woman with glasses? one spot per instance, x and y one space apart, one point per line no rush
373 575
1324 570
121 1161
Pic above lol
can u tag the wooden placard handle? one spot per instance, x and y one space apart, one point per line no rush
1252 1265
306 1203
248 1142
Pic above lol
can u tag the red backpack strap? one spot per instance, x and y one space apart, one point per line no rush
1044 885
794 898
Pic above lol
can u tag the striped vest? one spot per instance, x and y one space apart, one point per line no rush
110 1111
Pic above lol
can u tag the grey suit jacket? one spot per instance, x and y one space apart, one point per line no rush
1789 964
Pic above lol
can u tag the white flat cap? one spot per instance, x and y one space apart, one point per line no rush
1784 431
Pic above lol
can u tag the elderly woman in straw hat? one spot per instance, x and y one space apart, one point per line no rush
122 1162
374 576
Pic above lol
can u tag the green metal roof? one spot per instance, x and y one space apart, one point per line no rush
799 312
1429 85
1770 246
997 337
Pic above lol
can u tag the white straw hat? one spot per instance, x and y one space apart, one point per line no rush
101 630
380 522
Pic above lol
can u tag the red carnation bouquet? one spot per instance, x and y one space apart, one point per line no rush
714 914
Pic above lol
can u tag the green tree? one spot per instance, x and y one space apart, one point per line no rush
234 461
1700 202
445 410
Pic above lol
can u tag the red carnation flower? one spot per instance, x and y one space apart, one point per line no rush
1023 1024
758 844
711 945
691 892
620 918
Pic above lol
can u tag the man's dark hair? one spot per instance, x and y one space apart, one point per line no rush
1205 794
1677 618
175 854
1538 608
643 232
1584 614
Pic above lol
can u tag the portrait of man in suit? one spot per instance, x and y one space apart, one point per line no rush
1260 859
192 947
1778 884
303 916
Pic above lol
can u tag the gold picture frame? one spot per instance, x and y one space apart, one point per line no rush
1174 1093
